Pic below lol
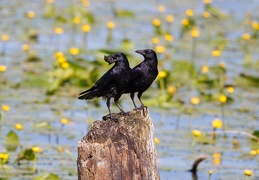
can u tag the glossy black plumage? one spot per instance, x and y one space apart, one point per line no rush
113 83
143 75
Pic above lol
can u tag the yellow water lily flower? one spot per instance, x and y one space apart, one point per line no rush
18 126
3 68
217 123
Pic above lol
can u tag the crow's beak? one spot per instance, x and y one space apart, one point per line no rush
142 52
109 59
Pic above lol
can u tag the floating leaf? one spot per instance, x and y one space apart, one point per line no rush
127 44
215 12
26 154
124 13
11 141
43 125
254 145
247 80
165 168
183 72
204 140
256 133
47 176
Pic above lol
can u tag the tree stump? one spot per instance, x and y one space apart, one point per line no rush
123 150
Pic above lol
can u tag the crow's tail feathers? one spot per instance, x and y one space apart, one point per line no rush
88 94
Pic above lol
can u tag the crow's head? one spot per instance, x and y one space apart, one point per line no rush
115 58
147 53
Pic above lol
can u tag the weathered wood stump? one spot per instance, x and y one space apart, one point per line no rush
123 150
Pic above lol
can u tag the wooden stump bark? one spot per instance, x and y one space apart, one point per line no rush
123 150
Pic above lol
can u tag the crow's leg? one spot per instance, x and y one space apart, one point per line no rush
116 100
132 98
143 107
108 105
139 97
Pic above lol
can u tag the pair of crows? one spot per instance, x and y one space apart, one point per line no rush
121 79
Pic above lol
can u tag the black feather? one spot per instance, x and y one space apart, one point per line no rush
143 74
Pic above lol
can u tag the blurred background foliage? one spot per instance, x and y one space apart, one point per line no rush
52 50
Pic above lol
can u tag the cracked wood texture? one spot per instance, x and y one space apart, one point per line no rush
123 150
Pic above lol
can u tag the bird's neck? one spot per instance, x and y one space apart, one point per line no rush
122 64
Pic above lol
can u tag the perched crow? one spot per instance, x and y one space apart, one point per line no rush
143 75
113 83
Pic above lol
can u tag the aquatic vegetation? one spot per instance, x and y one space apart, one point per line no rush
208 73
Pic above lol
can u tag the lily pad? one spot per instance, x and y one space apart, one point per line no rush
47 176
43 125
11 141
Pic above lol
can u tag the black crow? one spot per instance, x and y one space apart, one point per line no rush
143 75
113 83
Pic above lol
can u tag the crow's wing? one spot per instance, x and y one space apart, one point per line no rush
103 81
137 72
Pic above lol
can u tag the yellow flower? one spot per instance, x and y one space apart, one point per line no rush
76 20
65 65
217 123
25 47
195 100
58 30
248 172
161 8
18 126
162 74
85 3
155 40
58 54
60 149
216 158
169 37
74 51
222 98
36 149
206 14
196 133
189 12
4 157
110 25
195 32
216 161
257 151
5 37
210 172
61 60
64 121
160 49
50 1
255 25
230 89
156 140
5 108
3 68
235 143
185 22
246 36
216 53
171 90
205 69
169 18
156 22
30 14
207 1
253 152
86 28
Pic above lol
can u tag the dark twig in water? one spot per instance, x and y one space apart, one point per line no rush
197 162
